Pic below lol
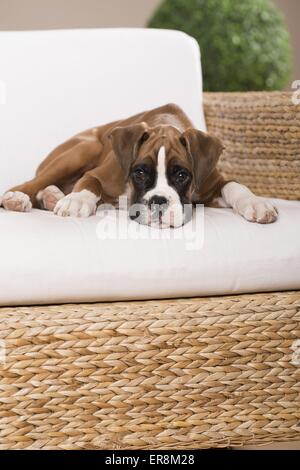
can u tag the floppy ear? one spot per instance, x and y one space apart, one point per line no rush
126 141
204 150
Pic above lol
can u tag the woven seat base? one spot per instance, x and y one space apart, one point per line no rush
188 373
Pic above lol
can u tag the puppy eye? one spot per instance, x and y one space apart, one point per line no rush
144 137
139 173
182 176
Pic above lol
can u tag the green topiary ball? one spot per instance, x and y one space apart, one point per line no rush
244 43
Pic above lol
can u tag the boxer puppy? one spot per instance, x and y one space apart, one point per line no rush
157 158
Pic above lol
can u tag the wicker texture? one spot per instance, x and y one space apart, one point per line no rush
261 133
189 373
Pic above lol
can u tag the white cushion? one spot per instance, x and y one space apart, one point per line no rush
48 259
58 83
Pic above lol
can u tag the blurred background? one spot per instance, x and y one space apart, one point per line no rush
240 44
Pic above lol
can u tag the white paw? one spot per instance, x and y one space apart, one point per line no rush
16 201
82 204
257 209
49 197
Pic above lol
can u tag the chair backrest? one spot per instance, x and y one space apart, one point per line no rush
54 84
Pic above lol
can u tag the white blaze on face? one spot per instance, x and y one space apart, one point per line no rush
162 187
174 214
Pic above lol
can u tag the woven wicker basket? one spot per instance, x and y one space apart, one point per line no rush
186 373
261 133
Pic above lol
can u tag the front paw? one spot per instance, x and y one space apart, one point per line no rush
257 209
81 204
49 197
16 201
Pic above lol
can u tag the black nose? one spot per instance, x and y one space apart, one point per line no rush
158 205
158 201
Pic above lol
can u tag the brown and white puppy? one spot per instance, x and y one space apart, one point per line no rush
157 158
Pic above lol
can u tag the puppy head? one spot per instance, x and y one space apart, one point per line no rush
164 168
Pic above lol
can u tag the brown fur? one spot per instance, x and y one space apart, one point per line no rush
99 159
